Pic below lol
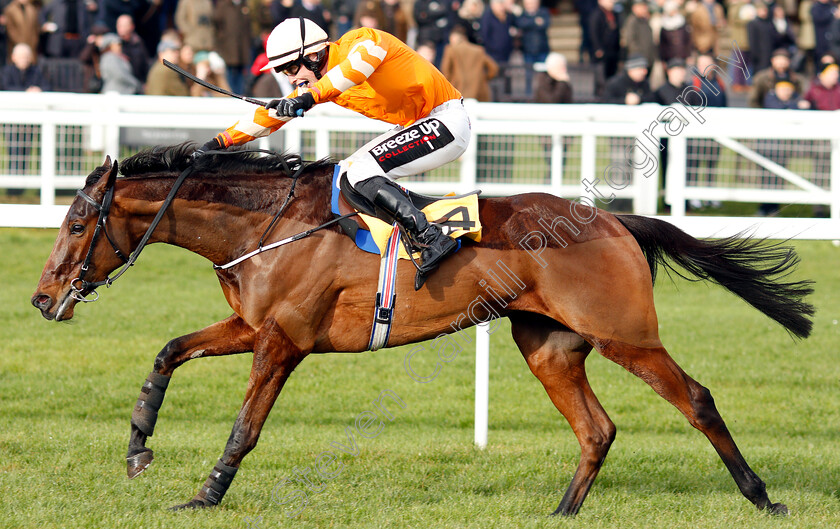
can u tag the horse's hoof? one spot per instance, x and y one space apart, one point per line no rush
138 463
778 509
194 503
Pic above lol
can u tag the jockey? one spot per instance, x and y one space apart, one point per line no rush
377 75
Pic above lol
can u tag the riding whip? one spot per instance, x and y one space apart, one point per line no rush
213 87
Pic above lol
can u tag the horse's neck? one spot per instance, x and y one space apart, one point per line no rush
216 230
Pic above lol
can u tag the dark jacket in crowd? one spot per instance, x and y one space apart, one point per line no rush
496 35
712 99
233 32
534 32
550 90
620 85
667 94
771 100
70 17
12 79
674 43
822 14
135 50
433 20
605 34
760 32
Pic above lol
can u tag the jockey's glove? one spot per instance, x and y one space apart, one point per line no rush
292 107
211 145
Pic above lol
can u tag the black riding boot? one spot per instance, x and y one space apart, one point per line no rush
391 204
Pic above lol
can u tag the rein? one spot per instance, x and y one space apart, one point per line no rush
79 287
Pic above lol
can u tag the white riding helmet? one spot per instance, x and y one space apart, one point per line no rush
293 39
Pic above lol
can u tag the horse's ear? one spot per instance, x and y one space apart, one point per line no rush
106 181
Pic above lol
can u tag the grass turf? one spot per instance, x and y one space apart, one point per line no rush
67 390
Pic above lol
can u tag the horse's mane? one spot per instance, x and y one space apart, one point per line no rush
176 158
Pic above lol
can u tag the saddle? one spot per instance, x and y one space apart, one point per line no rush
457 215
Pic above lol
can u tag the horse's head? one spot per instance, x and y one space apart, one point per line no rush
81 254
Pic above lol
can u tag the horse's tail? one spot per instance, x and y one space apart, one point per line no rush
753 269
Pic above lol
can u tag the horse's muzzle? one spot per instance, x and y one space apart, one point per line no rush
43 302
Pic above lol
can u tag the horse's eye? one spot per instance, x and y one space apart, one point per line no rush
76 229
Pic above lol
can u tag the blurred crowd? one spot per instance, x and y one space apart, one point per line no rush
634 52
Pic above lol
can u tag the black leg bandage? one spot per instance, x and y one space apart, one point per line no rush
145 411
217 484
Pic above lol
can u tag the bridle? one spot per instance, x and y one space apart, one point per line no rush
78 292
79 287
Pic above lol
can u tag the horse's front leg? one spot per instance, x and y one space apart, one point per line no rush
275 357
230 336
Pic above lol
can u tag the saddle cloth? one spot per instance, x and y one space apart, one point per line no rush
456 215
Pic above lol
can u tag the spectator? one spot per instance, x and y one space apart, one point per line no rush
822 14
344 12
194 19
233 37
762 37
22 74
766 79
90 57
371 11
824 93
674 40
163 81
807 38
700 151
708 68
741 13
111 10
470 17
313 10
210 67
428 51
637 33
785 96
261 23
833 36
706 21
497 31
67 24
533 31
396 19
783 35
22 25
585 8
552 85
674 84
133 47
433 24
606 43
115 68
629 87
467 66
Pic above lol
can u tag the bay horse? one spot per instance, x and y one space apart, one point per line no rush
582 278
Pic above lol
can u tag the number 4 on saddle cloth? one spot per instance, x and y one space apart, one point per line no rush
456 215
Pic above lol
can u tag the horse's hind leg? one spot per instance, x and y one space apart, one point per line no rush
557 358
656 367
229 336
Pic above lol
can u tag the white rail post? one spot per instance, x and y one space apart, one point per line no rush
482 382
48 162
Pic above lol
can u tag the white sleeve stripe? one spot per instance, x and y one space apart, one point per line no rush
360 65
372 48
338 80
